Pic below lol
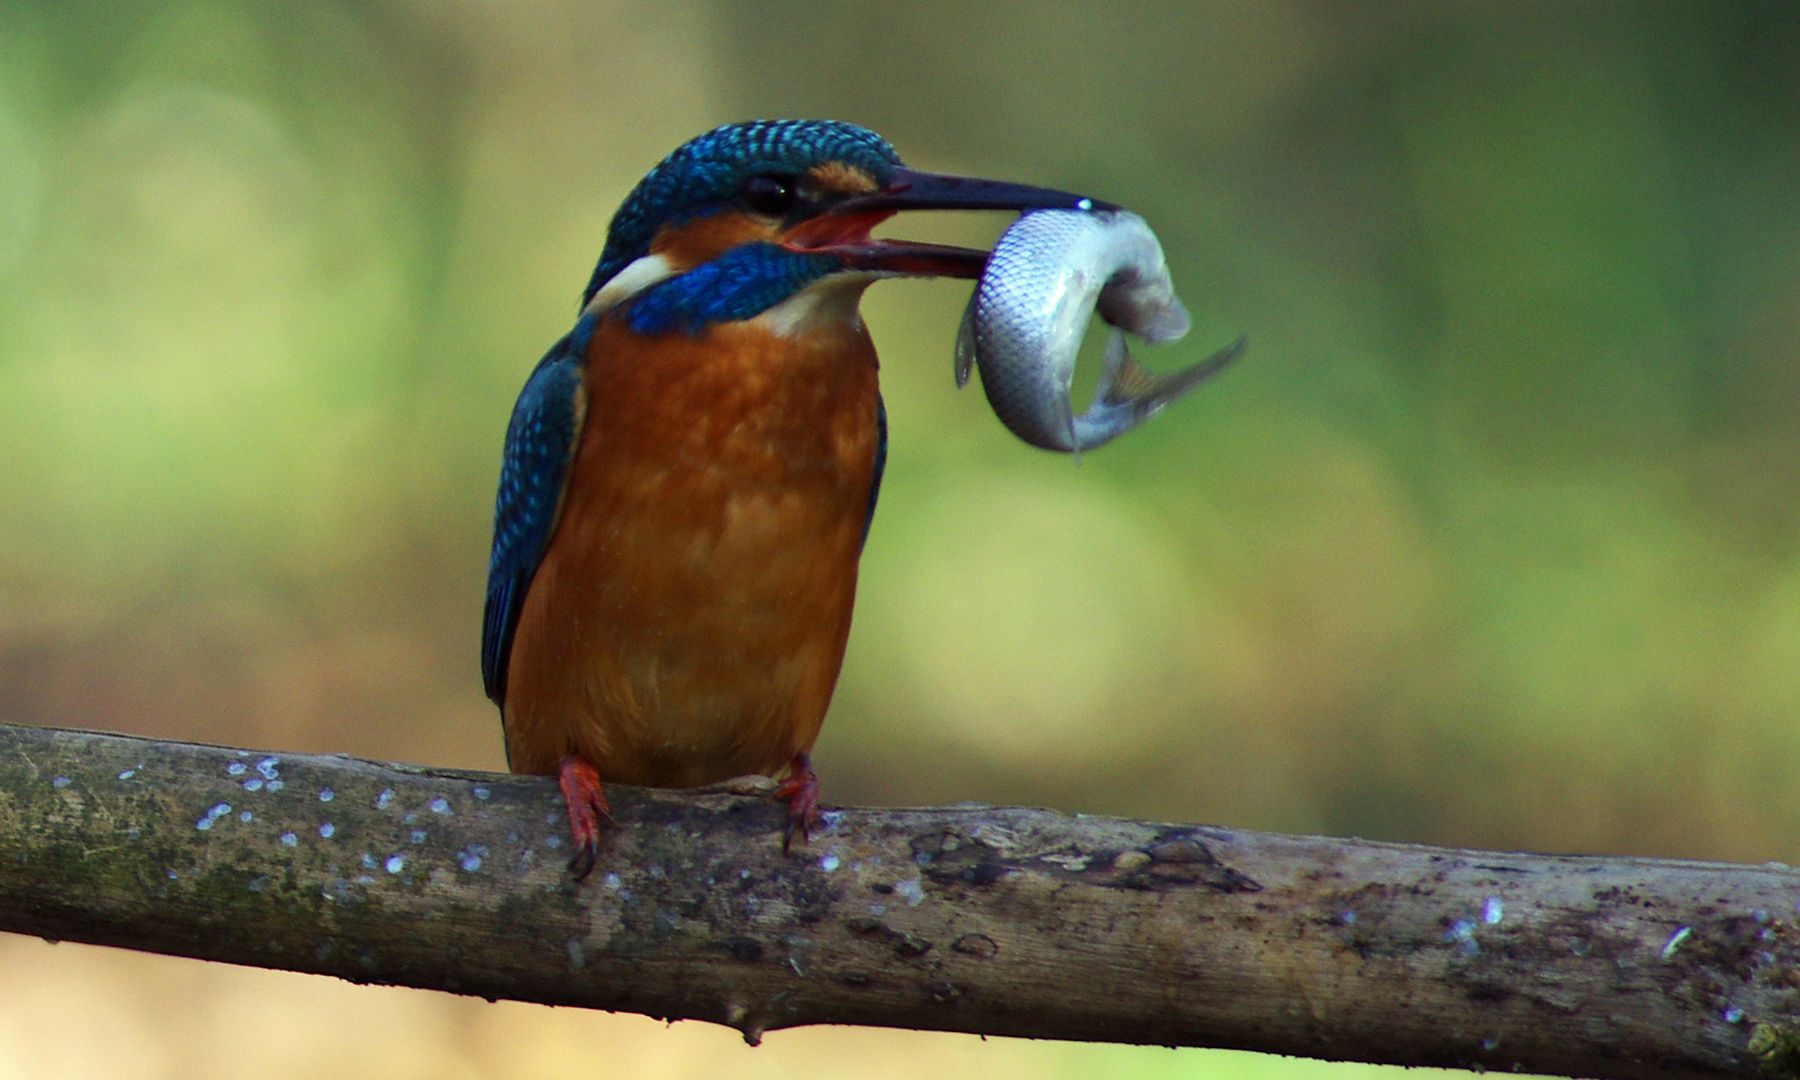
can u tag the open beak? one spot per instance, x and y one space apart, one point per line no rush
844 229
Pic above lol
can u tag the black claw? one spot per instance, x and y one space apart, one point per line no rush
583 863
787 834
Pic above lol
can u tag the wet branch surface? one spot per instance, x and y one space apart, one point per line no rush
996 920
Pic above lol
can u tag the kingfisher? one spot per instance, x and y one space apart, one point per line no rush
691 471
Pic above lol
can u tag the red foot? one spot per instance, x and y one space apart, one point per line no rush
581 790
801 792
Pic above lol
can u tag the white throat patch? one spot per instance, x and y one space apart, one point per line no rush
831 299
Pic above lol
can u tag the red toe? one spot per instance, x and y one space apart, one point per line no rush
801 792
580 785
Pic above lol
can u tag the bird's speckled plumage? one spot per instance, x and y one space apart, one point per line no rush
690 475
697 179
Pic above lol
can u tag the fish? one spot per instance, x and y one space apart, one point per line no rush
1049 273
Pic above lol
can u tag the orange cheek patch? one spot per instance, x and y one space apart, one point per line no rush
699 240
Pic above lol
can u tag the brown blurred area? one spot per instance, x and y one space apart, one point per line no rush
1491 540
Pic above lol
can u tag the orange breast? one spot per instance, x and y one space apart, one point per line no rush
688 621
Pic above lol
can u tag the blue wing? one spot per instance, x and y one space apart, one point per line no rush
540 441
880 461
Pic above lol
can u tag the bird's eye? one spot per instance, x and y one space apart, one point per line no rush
771 195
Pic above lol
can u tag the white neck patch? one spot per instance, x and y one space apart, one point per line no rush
627 283
831 299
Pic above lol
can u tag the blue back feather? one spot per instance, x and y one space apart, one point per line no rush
880 462
540 441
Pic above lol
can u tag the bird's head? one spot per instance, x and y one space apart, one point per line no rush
745 216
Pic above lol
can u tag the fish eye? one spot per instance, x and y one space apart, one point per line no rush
770 193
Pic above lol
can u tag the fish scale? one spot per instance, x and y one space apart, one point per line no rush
1046 277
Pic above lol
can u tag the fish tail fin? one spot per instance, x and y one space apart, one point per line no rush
1129 393
1124 381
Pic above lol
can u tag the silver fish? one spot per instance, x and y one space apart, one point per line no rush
1024 324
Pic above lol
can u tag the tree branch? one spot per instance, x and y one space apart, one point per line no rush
1001 921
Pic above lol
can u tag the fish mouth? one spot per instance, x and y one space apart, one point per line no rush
843 230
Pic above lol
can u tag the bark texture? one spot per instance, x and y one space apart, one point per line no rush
997 920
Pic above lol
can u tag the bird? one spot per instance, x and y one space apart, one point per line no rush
690 473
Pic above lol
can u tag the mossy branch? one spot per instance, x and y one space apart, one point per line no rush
996 920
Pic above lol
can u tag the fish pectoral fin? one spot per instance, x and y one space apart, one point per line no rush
1068 418
965 342
1124 381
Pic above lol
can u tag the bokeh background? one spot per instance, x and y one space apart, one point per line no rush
1492 540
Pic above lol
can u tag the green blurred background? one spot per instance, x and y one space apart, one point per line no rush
1492 539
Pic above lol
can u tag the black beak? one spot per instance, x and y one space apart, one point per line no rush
844 228
911 189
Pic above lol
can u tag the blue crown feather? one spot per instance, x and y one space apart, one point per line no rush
704 173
